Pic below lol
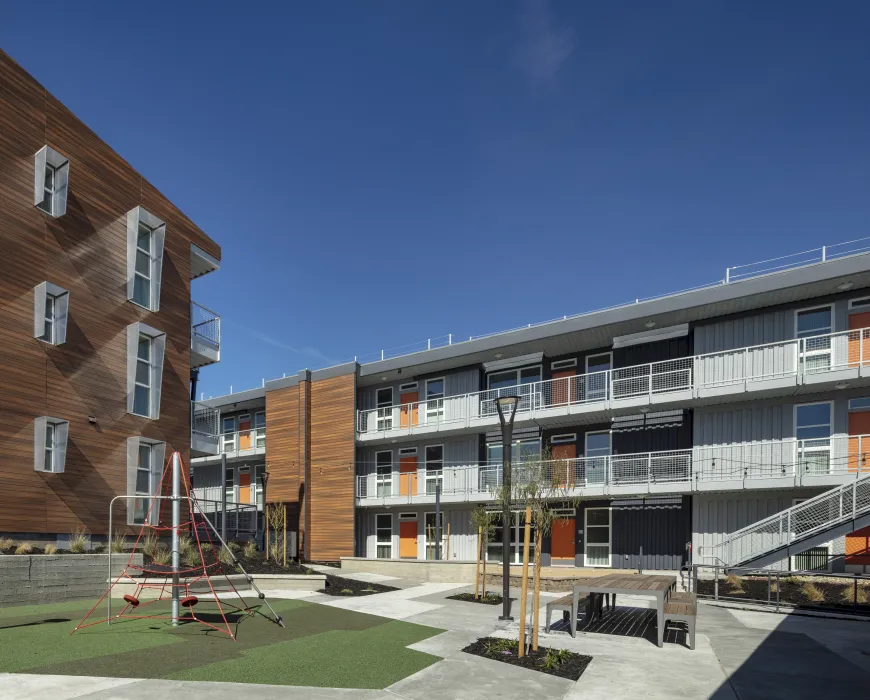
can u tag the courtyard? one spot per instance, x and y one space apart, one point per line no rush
408 643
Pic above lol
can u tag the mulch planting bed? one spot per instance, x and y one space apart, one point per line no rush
348 587
796 591
489 599
556 662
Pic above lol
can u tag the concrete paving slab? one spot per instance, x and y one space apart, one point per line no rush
15 686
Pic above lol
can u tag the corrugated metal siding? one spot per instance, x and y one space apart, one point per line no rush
745 423
463 535
719 514
661 530
464 381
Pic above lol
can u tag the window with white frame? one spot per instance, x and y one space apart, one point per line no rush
50 313
597 456
50 181
434 399
384 472
495 545
230 485
49 444
145 238
144 471
813 327
526 450
229 434
812 422
260 429
384 398
597 536
145 350
431 535
384 535
434 467
513 382
597 378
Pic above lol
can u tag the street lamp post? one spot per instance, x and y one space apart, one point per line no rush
265 515
507 409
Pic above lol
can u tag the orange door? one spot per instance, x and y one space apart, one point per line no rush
408 539
859 347
408 417
859 446
562 541
858 547
244 486
562 389
563 464
408 476
245 433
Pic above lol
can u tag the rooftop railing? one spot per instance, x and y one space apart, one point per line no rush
813 355
799 462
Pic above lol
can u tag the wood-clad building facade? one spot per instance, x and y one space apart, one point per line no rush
84 381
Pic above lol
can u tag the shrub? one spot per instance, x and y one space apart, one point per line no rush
275 552
226 556
6 543
309 571
161 556
117 542
499 645
346 591
78 541
234 547
811 592
555 657
24 548
150 543
206 547
735 583
847 594
51 549
190 558
250 550
185 545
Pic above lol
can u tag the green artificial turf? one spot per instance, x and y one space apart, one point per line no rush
320 646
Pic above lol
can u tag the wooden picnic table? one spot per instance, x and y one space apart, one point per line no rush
657 586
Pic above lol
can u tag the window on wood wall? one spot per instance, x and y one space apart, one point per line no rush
145 238
50 181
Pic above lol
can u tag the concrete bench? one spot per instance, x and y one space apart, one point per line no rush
564 604
678 611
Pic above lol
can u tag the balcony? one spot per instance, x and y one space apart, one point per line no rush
204 421
785 368
237 444
205 336
789 463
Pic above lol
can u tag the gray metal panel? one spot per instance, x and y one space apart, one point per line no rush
770 327
745 423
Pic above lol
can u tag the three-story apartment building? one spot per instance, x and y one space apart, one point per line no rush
100 338
664 425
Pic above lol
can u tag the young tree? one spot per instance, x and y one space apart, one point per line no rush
483 518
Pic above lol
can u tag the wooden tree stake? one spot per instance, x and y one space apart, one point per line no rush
285 536
536 599
447 549
477 571
266 513
525 588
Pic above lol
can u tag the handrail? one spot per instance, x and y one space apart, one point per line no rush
654 378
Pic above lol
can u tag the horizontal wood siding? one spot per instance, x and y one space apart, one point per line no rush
331 502
83 251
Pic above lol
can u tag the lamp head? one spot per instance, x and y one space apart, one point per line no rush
507 407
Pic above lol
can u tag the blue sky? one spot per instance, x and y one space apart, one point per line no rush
382 172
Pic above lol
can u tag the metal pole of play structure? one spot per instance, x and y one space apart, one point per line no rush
224 496
176 524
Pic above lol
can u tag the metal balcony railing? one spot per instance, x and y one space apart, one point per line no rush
797 461
794 359
205 324
204 420
241 440
241 517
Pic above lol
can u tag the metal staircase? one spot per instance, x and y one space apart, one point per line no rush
817 520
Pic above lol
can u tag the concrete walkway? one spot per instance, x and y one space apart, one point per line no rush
739 655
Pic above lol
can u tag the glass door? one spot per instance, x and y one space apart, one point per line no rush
597 376
597 457
597 537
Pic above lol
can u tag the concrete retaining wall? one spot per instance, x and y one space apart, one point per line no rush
44 578
438 571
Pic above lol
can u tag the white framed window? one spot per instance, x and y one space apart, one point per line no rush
434 399
430 536
145 238
50 437
260 429
144 471
145 350
597 377
410 386
495 546
434 463
597 456
596 537
384 399
50 181
860 404
384 535
564 438
407 451
859 304
50 313
384 472
514 377
230 485
818 320
812 429
526 450
228 433
563 364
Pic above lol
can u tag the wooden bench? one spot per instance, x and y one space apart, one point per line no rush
682 597
564 604
680 611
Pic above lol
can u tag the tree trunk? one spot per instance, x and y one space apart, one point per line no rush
536 599
525 587
477 569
